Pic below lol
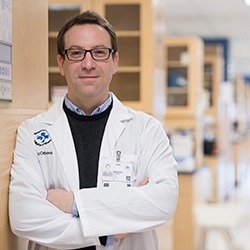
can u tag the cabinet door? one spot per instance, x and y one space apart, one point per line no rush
184 67
177 76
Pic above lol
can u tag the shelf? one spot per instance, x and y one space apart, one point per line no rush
128 33
130 69
177 90
54 70
177 64
53 34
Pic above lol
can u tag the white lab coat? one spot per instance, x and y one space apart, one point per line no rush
103 211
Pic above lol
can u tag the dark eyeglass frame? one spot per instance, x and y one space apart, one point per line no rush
85 51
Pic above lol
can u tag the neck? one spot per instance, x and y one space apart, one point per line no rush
88 105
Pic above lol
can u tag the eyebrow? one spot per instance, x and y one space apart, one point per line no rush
81 48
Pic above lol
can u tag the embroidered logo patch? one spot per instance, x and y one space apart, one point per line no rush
42 137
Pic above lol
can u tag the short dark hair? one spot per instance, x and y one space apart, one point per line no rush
87 17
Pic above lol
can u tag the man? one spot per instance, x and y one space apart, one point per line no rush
91 173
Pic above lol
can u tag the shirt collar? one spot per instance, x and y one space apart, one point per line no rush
97 111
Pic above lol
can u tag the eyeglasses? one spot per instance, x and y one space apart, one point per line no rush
99 54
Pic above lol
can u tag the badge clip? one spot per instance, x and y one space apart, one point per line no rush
118 156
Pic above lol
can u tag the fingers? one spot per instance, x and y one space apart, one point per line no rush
120 236
145 181
61 199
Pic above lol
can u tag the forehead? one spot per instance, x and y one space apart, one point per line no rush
87 35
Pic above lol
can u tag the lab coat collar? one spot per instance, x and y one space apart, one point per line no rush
121 112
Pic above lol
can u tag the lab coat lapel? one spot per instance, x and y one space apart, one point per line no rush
61 136
112 133
114 127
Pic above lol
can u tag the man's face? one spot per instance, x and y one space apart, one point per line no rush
88 79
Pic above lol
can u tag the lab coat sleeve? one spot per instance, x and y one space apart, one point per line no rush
135 209
31 215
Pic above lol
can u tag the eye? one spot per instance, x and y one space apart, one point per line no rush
75 53
100 52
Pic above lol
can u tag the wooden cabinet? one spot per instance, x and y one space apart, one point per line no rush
183 222
134 83
184 67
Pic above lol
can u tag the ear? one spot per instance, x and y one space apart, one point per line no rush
60 62
115 61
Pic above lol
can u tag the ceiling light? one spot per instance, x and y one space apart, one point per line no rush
246 2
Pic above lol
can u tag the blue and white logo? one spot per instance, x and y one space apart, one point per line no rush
42 137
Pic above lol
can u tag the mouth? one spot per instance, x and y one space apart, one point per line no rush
88 77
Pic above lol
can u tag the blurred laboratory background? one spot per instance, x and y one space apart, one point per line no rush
186 62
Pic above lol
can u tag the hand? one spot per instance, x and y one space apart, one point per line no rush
120 236
145 181
62 199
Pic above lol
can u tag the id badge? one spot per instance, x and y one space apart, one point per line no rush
117 174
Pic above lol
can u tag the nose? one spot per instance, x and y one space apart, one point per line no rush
88 62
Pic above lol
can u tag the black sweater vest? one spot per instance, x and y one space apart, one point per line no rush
87 133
